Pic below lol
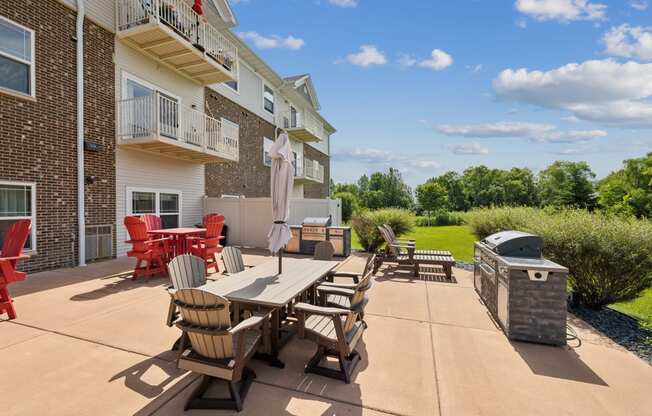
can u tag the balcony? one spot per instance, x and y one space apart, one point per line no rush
173 34
159 125
303 127
308 170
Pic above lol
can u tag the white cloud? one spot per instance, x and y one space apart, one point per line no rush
470 148
344 3
537 132
383 158
640 5
367 56
561 10
603 91
630 42
437 61
273 41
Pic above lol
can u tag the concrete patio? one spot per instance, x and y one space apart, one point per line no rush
90 341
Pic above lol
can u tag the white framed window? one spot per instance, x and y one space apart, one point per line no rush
268 99
267 147
18 202
165 203
17 61
233 85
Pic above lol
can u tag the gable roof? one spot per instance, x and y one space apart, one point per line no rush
297 81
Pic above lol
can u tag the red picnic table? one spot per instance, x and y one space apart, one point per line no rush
179 237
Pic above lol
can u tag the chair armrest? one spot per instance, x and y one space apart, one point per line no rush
21 257
335 290
158 240
248 323
345 274
320 310
340 285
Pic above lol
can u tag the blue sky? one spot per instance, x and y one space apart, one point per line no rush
432 86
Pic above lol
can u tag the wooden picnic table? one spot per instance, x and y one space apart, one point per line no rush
179 237
262 288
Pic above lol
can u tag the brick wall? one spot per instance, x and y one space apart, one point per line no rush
317 190
249 176
39 137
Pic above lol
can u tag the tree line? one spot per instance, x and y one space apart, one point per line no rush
627 191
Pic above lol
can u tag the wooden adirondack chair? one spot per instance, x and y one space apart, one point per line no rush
342 295
186 272
213 218
154 222
151 252
208 246
12 248
233 261
217 349
336 331
355 276
324 250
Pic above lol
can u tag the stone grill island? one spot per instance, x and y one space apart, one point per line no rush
525 293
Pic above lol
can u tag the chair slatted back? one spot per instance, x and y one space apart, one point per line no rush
206 311
187 271
153 222
390 244
137 230
15 238
213 232
232 258
369 265
390 232
324 250
358 301
213 218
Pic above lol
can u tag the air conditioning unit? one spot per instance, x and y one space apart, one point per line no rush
99 242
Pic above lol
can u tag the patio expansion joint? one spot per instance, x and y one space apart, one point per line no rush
432 349
43 332
429 321
348 403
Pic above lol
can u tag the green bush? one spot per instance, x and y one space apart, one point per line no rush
366 224
609 258
441 218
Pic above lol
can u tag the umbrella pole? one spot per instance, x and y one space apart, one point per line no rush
280 261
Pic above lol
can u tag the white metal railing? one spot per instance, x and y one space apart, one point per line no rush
179 16
305 121
310 169
161 116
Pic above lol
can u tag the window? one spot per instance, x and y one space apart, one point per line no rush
166 204
232 84
268 99
267 147
17 202
16 58
295 159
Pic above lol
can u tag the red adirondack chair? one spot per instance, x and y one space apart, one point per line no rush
208 246
154 222
213 218
12 248
152 252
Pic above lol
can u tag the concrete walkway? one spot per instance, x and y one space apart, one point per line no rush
90 341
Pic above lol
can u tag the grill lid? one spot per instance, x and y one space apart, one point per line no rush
515 244
317 221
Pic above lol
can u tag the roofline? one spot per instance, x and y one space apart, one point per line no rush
226 13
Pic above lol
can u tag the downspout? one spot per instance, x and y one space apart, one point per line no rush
81 215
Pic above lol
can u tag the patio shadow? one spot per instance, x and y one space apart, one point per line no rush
557 362
123 284
137 378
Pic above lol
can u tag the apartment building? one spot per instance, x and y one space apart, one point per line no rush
172 112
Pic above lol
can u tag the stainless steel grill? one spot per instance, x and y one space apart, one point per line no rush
312 232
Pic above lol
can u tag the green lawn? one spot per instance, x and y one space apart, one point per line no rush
640 308
457 239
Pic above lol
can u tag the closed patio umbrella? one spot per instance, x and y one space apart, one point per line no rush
281 188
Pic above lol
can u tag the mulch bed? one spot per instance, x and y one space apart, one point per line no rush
620 328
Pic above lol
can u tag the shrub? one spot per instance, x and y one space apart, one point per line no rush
609 258
441 218
366 225
349 204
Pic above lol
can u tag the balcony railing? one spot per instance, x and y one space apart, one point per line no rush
175 34
303 126
311 170
158 124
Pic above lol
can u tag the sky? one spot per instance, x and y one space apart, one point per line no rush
429 86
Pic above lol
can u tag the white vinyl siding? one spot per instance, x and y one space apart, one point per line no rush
138 170
101 12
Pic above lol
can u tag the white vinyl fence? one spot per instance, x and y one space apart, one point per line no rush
249 219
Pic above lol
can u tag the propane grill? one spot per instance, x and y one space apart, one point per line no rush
525 292
313 231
